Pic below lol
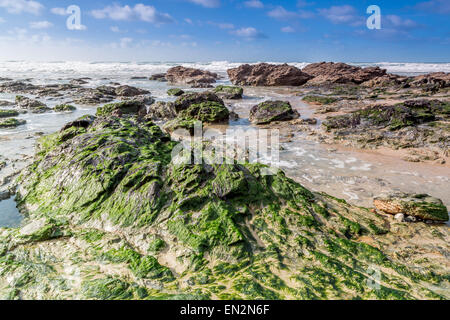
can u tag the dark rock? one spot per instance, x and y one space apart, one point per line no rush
127 91
34 106
129 108
162 111
175 92
159 77
270 111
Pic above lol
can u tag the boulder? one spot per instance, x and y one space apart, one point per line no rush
128 91
330 72
159 77
187 99
421 206
125 108
11 123
175 92
269 75
269 111
161 111
34 106
190 76
229 92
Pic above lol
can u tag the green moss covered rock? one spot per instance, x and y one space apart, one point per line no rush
8 113
175 92
11 123
320 100
128 108
104 195
64 108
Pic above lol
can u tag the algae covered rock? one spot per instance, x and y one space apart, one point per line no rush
64 108
229 92
175 92
8 113
34 106
270 111
11 123
421 206
131 107
162 111
188 99
107 195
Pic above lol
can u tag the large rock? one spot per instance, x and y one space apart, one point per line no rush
128 91
108 197
420 206
161 110
330 72
229 92
124 108
34 106
269 75
190 76
187 99
432 81
270 111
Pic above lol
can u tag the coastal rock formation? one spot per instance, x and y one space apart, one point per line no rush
330 72
420 206
269 75
125 108
11 123
228 92
270 111
34 106
432 81
190 76
175 92
161 110
105 202
128 91
206 107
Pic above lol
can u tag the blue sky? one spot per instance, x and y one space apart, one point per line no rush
233 30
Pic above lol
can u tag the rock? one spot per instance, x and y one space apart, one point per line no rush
228 92
4 195
410 219
78 81
432 81
138 78
34 106
264 74
387 80
4 103
319 100
127 91
420 206
16 86
109 196
175 92
400 217
108 90
269 111
145 99
162 111
187 99
159 77
11 123
64 108
190 76
330 72
119 109
8 113
82 122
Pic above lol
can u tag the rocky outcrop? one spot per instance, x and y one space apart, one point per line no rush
33 106
421 206
190 108
190 76
108 197
228 92
161 110
432 81
269 75
125 108
270 111
11 123
330 72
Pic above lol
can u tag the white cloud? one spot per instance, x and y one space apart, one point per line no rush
342 15
207 3
59 11
254 4
125 42
19 6
114 29
138 12
398 22
287 30
41 25
248 33
2 20
281 13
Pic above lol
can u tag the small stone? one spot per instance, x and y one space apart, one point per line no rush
410 219
400 217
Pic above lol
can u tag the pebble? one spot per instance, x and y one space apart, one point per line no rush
400 217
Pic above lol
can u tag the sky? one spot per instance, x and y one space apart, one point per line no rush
231 30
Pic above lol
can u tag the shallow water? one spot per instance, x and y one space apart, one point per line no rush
10 216
349 174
